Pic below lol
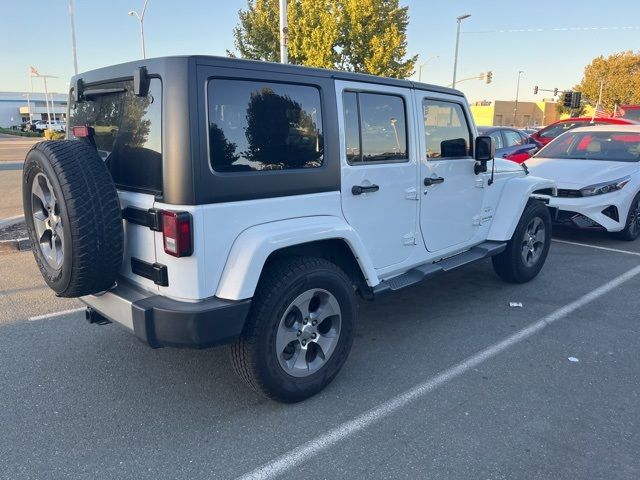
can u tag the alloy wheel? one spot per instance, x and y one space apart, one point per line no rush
308 332
533 242
47 221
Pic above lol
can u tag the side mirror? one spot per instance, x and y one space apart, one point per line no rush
485 151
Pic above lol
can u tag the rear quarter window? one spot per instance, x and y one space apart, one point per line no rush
128 133
258 126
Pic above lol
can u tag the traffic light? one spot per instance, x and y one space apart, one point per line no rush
489 77
566 99
555 92
575 99
535 90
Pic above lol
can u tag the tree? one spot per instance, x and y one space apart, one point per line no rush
356 35
620 73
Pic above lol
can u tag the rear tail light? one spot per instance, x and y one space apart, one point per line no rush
82 131
176 233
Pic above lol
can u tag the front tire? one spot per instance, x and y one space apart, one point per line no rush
299 331
632 226
527 250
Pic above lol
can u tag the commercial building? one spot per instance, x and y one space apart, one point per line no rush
500 112
19 107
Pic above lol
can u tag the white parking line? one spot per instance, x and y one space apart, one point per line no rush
56 314
608 249
322 442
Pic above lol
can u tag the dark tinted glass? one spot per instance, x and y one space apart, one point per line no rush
128 133
256 126
351 126
446 130
383 127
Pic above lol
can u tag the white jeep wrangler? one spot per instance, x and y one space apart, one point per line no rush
202 201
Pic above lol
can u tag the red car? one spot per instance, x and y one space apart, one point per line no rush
554 130
631 112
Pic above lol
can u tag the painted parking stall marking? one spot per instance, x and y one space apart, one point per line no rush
323 442
48 316
597 247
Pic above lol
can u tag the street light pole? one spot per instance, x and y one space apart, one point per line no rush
73 38
455 58
141 21
515 110
423 64
284 54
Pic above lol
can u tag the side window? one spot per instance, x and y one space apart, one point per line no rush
446 130
512 138
375 127
497 137
255 126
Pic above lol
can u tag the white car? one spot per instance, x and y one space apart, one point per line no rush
597 173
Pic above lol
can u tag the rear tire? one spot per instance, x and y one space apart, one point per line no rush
632 226
299 331
527 250
73 217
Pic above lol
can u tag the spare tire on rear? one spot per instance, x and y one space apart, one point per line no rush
72 213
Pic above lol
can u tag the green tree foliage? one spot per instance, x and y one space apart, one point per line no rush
356 35
620 73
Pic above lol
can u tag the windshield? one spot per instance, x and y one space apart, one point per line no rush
606 146
632 114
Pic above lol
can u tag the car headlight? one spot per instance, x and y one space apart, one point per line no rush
605 187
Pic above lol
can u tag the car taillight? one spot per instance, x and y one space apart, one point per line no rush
176 233
81 131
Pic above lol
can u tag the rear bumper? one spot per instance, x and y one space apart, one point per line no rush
162 322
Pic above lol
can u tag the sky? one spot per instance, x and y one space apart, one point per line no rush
551 41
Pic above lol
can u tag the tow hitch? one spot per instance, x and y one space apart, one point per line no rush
94 317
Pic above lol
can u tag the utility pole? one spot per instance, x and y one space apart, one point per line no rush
284 55
73 38
455 58
515 110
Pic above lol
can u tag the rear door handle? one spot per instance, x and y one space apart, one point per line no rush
432 181
360 189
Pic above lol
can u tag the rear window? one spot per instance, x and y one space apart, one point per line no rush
128 133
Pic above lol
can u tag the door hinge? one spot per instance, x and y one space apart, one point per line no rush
480 182
409 239
411 193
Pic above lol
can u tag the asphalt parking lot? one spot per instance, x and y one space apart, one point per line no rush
445 380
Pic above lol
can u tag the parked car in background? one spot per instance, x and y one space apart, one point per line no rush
511 143
597 173
556 129
28 126
40 125
630 112
530 130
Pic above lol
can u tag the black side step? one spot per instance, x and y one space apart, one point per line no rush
428 270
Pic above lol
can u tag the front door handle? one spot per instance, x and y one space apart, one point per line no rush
432 181
360 189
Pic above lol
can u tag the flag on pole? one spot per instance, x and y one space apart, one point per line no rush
619 111
34 72
600 111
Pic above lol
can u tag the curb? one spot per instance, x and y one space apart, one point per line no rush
19 245
7 222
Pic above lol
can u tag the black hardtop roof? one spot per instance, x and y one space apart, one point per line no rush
160 64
